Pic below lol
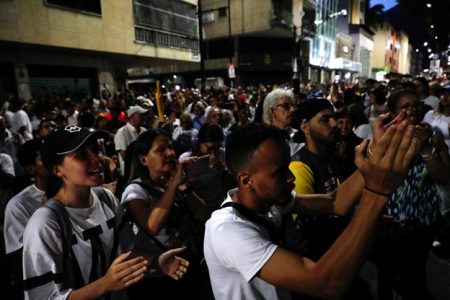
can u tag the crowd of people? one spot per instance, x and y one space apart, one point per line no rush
236 193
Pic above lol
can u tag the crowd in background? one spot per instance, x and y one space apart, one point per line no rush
197 123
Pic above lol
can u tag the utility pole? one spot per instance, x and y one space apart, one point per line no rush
202 49
230 40
231 70
295 61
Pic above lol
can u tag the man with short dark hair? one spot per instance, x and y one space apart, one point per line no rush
241 239
317 169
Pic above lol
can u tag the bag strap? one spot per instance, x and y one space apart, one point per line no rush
72 274
105 198
129 218
251 216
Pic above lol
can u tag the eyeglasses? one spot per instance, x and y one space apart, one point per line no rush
285 106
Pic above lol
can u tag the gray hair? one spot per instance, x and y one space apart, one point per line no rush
271 100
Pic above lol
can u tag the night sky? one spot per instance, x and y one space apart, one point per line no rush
387 3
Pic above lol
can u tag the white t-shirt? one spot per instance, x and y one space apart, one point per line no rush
123 138
18 211
73 118
432 101
178 228
178 131
440 122
235 251
139 239
43 254
363 131
7 166
294 147
19 119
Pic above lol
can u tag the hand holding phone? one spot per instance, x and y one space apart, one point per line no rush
197 167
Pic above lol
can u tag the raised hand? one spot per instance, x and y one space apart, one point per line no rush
124 272
172 265
388 160
176 177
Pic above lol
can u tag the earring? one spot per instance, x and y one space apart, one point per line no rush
251 189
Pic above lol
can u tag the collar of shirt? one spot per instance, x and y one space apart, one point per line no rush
133 129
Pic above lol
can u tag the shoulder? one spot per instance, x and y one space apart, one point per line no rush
121 131
231 225
428 115
28 197
304 177
43 223
6 163
236 243
298 166
134 191
107 197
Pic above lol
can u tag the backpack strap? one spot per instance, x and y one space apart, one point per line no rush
129 218
254 218
112 223
72 277
103 196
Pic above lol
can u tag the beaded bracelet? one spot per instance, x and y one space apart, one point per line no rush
377 193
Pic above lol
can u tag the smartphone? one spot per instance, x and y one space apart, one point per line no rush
198 167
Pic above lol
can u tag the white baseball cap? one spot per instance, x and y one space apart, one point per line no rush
136 109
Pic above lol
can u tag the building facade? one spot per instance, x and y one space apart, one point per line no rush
392 52
357 62
259 38
64 46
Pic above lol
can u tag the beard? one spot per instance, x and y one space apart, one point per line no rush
332 138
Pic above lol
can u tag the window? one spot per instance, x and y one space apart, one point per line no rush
89 6
223 11
168 16
208 17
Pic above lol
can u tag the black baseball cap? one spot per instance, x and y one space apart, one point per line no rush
308 109
65 140
445 88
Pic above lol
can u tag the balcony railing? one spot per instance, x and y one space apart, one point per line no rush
165 39
167 23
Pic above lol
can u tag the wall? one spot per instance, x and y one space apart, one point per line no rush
32 22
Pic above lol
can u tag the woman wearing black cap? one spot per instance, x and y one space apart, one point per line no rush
88 217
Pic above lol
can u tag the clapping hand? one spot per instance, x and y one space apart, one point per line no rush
124 272
172 265
389 156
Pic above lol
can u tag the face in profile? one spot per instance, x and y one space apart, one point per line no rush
82 167
160 159
323 128
270 176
